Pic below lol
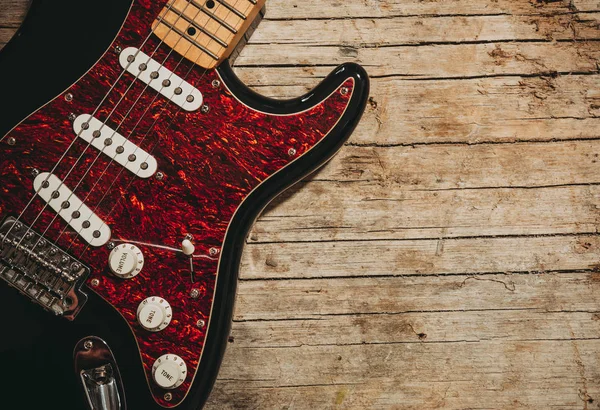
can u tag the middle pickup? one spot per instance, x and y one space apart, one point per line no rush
115 146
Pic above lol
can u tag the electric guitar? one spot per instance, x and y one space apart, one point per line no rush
133 163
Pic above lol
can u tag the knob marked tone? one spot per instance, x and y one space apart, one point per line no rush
154 314
169 371
126 261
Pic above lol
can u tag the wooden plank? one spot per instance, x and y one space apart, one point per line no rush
334 9
441 256
416 327
426 30
261 63
296 299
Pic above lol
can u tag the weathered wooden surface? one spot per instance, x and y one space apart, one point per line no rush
448 257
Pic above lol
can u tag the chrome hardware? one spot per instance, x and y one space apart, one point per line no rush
292 152
160 176
216 83
213 251
195 293
72 117
344 90
204 109
97 368
68 97
45 274
200 323
11 141
118 49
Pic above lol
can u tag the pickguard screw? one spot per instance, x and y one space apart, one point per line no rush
118 49
68 97
189 237
213 251
216 83
200 323
111 246
168 397
35 172
72 117
11 141
205 108
195 293
344 90
160 176
88 344
95 282
292 152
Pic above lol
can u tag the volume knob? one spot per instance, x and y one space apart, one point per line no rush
154 314
169 371
126 261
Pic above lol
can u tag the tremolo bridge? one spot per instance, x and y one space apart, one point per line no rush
40 270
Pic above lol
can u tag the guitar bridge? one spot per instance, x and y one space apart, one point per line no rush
40 270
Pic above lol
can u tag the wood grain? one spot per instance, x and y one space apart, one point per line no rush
448 257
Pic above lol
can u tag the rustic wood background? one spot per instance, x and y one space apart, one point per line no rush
448 257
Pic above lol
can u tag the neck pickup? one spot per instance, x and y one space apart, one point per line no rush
206 32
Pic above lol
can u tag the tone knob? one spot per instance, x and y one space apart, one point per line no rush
169 371
154 314
126 261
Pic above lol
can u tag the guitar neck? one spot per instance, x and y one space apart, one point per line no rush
206 32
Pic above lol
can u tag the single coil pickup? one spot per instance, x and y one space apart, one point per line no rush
115 146
161 79
66 204
40 270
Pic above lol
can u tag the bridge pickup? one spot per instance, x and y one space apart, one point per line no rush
77 214
115 146
161 79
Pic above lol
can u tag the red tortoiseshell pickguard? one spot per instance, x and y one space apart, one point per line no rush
210 162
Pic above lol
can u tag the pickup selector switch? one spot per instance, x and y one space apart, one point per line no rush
154 314
126 261
169 371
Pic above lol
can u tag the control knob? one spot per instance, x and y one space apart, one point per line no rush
169 371
126 261
154 314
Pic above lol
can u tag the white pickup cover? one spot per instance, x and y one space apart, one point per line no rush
115 146
77 214
161 79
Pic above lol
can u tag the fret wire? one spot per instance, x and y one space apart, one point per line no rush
191 40
214 17
233 9
202 29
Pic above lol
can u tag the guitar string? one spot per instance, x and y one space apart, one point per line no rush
149 105
151 151
112 159
167 9
20 216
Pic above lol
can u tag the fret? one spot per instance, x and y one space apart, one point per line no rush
214 17
199 27
205 31
233 9
188 38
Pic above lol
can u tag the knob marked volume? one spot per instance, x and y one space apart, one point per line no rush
126 261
